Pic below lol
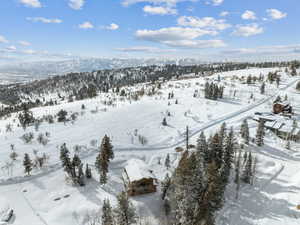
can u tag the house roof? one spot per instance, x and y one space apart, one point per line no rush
296 131
285 103
286 129
277 125
137 169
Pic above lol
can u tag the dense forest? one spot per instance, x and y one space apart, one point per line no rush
77 86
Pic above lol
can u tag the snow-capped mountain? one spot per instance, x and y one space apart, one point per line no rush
43 68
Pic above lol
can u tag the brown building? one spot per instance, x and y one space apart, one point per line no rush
138 178
282 107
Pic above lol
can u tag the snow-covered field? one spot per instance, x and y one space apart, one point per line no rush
46 198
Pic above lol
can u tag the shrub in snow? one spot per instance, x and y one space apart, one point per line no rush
42 139
164 122
26 117
27 163
8 128
142 140
93 143
27 137
62 115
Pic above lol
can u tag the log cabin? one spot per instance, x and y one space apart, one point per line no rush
138 178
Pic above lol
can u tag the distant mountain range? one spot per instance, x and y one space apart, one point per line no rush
45 68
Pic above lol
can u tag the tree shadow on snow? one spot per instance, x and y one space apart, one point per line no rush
150 205
274 153
254 205
91 191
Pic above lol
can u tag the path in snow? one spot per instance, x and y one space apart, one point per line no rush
23 210
193 132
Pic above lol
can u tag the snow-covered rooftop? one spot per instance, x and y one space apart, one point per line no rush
137 170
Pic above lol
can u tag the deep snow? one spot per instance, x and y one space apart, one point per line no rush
46 197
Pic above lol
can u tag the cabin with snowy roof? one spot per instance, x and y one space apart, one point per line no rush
281 126
282 107
138 178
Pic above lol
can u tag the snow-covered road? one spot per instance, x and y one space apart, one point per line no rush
248 110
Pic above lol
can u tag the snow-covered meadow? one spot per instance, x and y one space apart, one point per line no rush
46 198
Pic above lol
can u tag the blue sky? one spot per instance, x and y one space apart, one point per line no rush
205 29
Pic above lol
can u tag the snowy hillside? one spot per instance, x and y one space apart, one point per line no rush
38 70
136 131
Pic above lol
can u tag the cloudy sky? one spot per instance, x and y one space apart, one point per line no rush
206 29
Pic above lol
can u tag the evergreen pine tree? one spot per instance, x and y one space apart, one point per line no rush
107 214
245 131
125 212
164 122
245 156
88 171
237 174
25 117
247 173
254 170
278 99
80 178
107 148
212 198
27 163
228 156
262 88
260 133
165 186
101 165
293 71
167 162
222 134
76 162
102 160
206 90
216 151
65 159
202 148
249 79
188 187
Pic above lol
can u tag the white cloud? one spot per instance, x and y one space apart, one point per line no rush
24 43
205 22
172 33
44 20
11 48
3 39
224 13
276 14
248 30
31 3
217 2
29 52
86 25
196 43
146 49
159 10
164 2
264 50
112 26
190 9
185 37
249 15
76 4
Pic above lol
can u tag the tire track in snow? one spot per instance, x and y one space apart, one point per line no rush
32 208
234 204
